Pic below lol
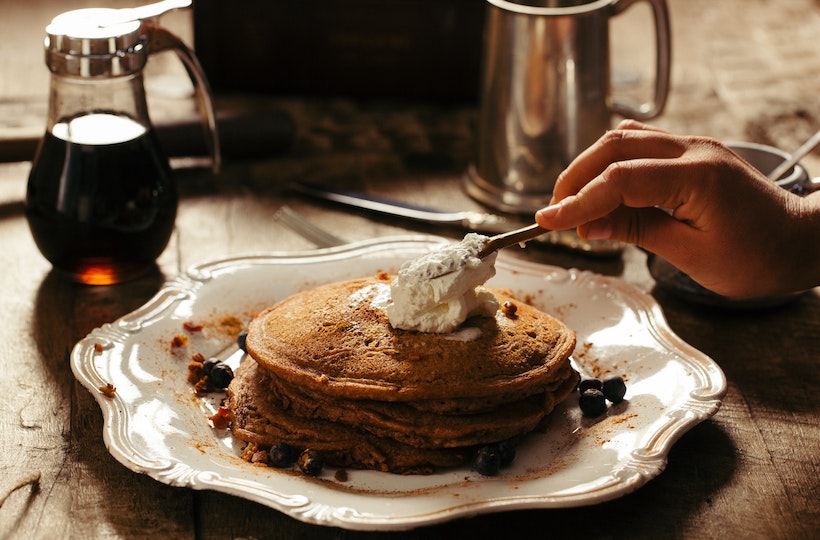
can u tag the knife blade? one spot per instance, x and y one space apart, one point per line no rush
480 222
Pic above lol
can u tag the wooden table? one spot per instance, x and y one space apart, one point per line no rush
742 70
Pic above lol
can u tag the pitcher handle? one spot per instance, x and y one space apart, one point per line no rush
663 47
160 39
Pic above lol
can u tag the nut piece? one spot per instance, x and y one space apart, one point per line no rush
508 308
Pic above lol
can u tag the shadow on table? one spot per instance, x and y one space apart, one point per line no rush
11 209
700 464
766 352
64 313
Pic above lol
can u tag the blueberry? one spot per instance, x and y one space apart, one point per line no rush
586 384
208 365
241 339
592 402
221 375
311 462
487 460
614 389
281 455
506 453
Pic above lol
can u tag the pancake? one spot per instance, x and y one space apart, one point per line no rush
257 418
336 339
326 370
424 429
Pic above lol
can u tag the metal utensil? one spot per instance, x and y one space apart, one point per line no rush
466 220
140 13
545 93
494 243
517 236
799 154
477 221
307 230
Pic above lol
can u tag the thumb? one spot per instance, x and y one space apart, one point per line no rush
649 228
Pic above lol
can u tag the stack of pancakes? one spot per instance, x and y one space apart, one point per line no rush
326 370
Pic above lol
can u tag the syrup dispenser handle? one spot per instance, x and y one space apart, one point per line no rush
159 40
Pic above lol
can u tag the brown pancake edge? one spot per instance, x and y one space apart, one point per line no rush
259 417
335 341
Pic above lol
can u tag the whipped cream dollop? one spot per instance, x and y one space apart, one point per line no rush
441 289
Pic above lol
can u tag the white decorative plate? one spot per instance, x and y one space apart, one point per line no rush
154 424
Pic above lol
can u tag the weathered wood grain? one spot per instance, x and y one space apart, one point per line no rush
742 69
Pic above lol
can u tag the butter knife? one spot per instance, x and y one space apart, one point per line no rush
480 222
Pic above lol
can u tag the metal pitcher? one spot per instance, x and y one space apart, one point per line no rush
545 94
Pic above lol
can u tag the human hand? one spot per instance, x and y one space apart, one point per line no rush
694 202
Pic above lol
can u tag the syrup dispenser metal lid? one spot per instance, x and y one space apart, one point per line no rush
84 43
101 42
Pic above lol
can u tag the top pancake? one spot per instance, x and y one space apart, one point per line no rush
336 339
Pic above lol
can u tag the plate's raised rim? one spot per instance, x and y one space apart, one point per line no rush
646 463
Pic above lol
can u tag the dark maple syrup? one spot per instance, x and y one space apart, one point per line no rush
101 201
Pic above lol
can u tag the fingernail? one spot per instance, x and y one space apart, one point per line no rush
550 211
600 229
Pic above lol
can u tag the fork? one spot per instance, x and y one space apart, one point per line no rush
290 218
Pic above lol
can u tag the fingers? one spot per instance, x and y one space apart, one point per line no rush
644 186
631 140
639 183
629 123
649 228
690 200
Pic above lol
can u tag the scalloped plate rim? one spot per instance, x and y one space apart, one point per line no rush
186 285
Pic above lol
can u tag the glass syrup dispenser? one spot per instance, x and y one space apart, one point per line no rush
101 199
